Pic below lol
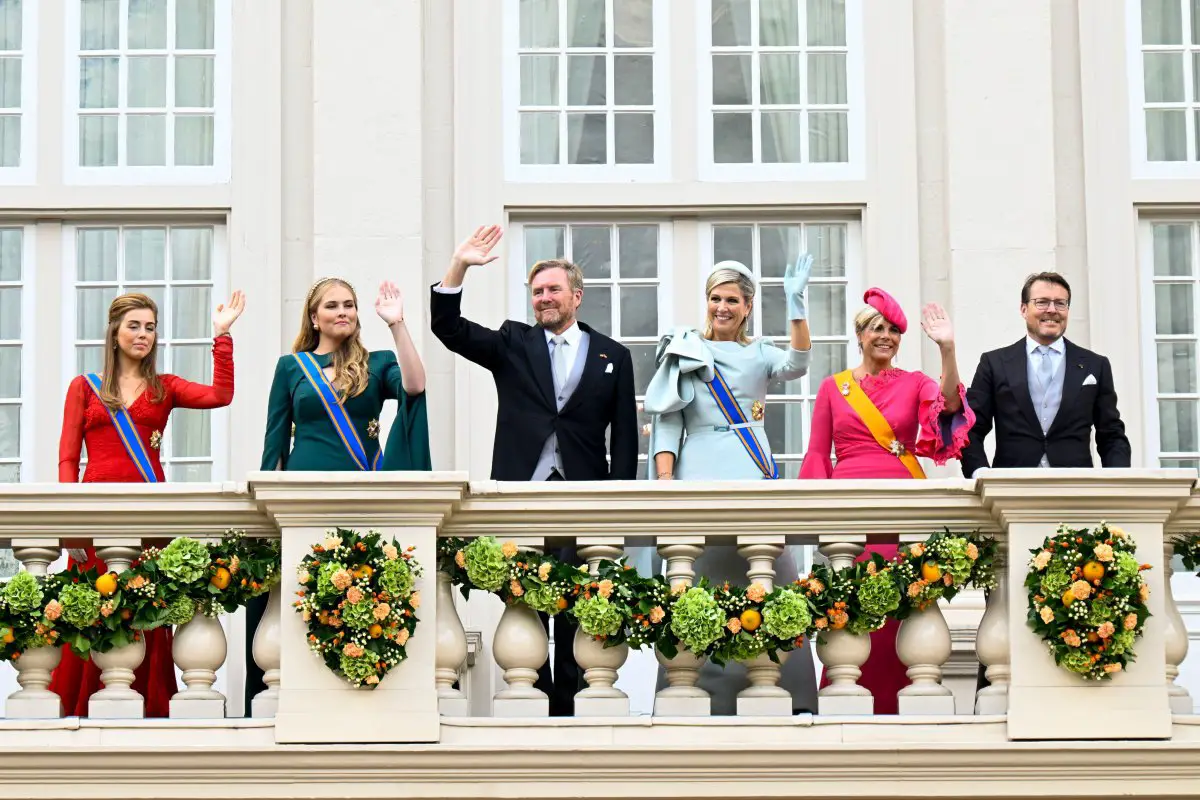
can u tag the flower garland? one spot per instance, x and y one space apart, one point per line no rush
1188 550
725 622
89 610
359 600
1087 599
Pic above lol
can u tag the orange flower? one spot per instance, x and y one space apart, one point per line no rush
756 593
508 549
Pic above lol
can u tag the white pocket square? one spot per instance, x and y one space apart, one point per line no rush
1090 380
608 369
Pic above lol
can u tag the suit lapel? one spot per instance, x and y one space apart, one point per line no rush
538 353
1016 366
593 365
1075 370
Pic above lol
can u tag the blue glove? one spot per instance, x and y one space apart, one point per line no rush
795 281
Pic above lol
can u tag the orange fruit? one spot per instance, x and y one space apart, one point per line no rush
8 637
1068 597
561 603
1093 571
364 571
750 620
126 614
106 584
221 578
375 630
931 572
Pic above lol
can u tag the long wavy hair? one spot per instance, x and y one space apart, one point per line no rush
110 386
745 286
350 360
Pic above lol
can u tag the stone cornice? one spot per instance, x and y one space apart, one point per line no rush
767 770
1061 495
372 499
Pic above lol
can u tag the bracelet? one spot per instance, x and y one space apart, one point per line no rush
666 474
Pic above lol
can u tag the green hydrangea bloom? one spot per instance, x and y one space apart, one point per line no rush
696 620
786 616
1101 611
878 595
543 598
396 578
23 593
1077 661
360 615
180 611
1126 568
357 670
325 587
1121 642
746 647
184 560
486 565
81 604
598 616
953 551
1056 580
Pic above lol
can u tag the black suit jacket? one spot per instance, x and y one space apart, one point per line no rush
1000 392
519 360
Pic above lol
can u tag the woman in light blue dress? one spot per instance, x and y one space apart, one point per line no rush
707 404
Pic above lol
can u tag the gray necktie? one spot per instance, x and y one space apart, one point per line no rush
558 360
1045 369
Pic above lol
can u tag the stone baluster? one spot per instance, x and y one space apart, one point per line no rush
34 700
1176 637
992 643
599 663
764 696
118 699
843 654
521 647
682 697
923 645
266 649
199 648
451 652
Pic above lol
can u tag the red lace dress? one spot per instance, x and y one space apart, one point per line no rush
914 407
87 421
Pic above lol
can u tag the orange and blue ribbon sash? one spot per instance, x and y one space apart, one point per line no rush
740 425
873 418
128 433
337 414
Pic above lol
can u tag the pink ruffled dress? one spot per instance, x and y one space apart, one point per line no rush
914 407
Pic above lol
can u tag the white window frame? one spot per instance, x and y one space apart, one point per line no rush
516 172
122 174
1142 166
1150 337
855 271
219 427
25 173
854 169
26 452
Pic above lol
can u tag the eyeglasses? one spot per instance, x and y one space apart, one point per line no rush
1042 303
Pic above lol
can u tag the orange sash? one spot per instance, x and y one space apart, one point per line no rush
873 418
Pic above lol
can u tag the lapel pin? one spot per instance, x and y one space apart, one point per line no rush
604 355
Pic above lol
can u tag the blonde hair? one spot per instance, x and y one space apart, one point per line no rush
744 285
110 387
865 319
574 273
350 359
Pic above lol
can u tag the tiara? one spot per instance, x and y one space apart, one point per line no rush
321 282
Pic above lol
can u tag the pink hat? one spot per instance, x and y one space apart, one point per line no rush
886 305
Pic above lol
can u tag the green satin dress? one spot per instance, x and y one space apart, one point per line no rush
314 444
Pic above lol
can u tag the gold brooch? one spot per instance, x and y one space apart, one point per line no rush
293 430
897 448
846 388
156 439
756 410
373 429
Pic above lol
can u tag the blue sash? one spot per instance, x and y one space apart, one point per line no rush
337 415
128 433
738 424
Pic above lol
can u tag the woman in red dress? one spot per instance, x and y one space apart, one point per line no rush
130 383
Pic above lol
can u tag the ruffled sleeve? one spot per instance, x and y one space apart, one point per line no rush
407 447
942 435
681 354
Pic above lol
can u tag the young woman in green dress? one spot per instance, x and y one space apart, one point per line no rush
327 395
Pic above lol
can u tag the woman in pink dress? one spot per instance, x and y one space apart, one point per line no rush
877 418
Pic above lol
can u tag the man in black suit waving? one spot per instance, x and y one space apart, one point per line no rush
561 386
1044 393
